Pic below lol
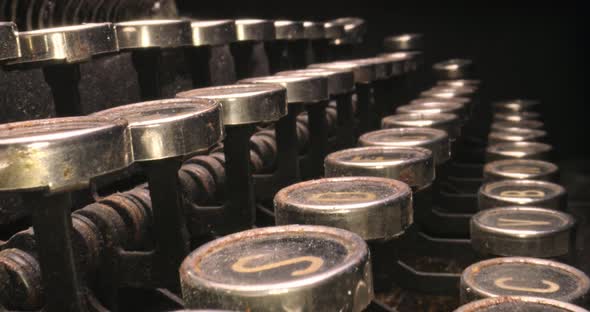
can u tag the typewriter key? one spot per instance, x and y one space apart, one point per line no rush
344 47
59 51
148 40
518 150
383 87
520 169
522 231
373 208
519 303
364 75
449 92
404 42
311 92
437 141
248 51
453 69
287 51
521 276
293 267
412 165
516 135
515 106
162 134
516 117
522 193
316 44
527 124
459 83
434 106
449 123
244 105
340 88
47 159
210 59
9 48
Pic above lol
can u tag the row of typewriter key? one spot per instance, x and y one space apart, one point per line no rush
369 200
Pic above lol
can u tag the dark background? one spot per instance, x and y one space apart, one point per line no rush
522 49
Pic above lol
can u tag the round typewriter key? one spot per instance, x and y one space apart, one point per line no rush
522 193
449 92
412 165
520 169
515 106
519 303
142 34
437 141
250 57
434 106
47 159
317 42
373 208
516 117
9 48
527 124
340 88
449 123
518 150
458 83
243 105
163 132
254 30
453 69
516 135
213 33
404 42
294 267
311 92
522 231
521 276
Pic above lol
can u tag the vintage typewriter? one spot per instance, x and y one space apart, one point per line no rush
154 162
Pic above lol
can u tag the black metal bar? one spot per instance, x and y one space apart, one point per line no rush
170 230
383 95
240 209
198 60
287 147
297 54
318 139
346 122
278 56
250 59
320 51
63 80
147 65
52 225
364 98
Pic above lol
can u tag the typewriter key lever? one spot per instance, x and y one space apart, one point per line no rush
147 39
293 267
287 50
210 59
310 92
249 54
244 106
163 132
46 160
59 51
